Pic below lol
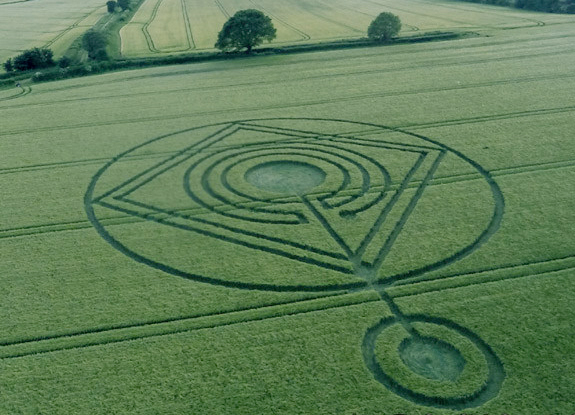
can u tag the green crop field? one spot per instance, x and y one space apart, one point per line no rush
375 230
54 24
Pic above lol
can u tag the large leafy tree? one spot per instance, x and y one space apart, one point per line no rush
95 43
111 6
246 29
32 59
384 27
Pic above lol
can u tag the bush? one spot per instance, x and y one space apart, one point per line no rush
37 77
64 62
95 42
384 27
124 4
101 55
111 6
32 59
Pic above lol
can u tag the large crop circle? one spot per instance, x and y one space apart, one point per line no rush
294 204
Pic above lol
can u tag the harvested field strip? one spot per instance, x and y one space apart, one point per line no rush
123 219
134 331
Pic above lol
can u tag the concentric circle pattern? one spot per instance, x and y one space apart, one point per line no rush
332 197
315 205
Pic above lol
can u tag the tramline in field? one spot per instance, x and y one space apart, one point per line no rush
356 231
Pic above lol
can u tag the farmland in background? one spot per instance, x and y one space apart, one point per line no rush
127 286
54 24
183 26
170 26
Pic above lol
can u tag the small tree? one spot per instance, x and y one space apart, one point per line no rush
111 6
8 66
246 29
384 27
124 4
95 43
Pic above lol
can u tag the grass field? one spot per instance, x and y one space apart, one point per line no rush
368 231
194 24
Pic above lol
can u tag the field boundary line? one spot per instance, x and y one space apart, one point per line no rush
76 163
405 288
488 118
71 27
104 336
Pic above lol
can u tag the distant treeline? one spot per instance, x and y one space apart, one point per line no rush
548 6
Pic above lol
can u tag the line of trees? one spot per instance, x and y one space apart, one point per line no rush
249 28
547 6
244 30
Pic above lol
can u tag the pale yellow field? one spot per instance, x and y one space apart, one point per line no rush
45 23
161 26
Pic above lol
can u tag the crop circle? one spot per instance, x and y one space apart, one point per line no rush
453 386
286 177
301 203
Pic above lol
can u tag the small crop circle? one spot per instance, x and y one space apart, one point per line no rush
431 365
286 177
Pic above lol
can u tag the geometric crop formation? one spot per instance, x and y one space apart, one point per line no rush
333 206
358 231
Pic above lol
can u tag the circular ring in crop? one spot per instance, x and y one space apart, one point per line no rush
294 204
